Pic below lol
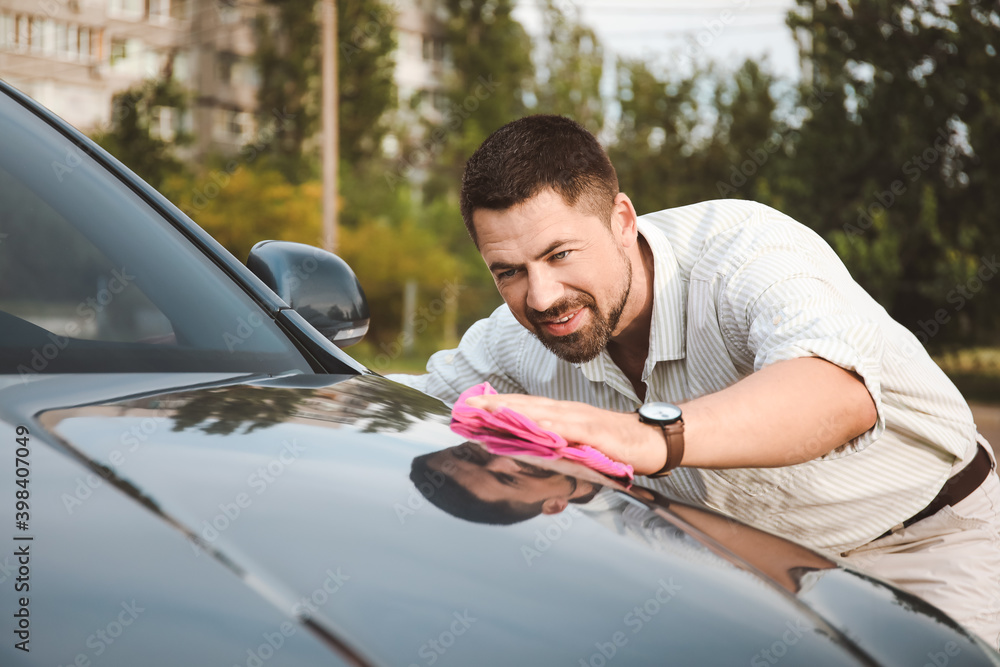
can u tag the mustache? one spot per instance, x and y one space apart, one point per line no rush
559 309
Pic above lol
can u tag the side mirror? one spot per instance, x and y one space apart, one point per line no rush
317 284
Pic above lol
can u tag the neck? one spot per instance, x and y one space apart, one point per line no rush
630 345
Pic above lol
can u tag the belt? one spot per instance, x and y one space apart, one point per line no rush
956 489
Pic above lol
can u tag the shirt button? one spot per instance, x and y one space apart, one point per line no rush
449 359
777 320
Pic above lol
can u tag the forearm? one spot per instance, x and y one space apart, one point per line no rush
790 412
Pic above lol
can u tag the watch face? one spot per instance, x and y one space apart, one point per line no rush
660 412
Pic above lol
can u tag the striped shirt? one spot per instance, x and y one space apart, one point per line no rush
739 286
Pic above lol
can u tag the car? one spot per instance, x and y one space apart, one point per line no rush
197 474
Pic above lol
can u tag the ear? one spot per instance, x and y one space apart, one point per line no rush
554 505
624 220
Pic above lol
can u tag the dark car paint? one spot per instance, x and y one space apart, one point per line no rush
218 504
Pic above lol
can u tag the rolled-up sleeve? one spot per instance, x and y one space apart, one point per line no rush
486 353
782 303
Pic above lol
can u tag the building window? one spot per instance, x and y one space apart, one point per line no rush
232 127
8 32
179 9
36 35
159 11
119 51
224 65
433 48
83 44
61 41
127 9
163 124
23 32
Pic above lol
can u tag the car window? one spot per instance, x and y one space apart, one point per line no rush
93 279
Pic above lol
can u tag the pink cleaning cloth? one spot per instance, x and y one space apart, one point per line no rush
509 432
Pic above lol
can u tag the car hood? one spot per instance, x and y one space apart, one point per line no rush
274 521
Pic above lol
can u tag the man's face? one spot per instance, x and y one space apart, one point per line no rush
564 275
494 478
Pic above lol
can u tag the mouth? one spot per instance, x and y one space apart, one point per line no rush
566 324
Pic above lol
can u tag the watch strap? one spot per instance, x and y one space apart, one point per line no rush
673 435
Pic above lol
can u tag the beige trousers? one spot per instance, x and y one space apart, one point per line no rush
951 559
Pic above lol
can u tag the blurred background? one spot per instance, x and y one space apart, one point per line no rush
875 122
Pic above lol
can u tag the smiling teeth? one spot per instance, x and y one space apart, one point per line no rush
565 319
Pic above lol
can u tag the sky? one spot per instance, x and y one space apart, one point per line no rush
674 33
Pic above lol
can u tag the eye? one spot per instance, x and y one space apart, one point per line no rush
509 273
560 255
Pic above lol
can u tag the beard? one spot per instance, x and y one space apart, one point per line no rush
585 343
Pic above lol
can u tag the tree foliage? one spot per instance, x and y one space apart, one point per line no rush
704 136
897 159
491 73
130 137
288 57
570 68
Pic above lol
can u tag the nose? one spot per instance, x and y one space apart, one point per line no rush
503 464
543 290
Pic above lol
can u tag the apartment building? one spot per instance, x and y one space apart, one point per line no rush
74 55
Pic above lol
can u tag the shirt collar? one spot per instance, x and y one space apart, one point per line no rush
666 335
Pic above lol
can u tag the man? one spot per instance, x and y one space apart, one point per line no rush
807 410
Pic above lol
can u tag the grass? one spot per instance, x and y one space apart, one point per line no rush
975 371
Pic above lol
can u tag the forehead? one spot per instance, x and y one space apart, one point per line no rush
533 226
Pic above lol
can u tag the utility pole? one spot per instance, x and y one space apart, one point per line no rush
330 116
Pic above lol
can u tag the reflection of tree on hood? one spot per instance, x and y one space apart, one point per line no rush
223 410
370 403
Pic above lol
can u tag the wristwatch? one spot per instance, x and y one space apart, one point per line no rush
668 417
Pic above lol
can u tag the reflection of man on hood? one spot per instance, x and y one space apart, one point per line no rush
470 483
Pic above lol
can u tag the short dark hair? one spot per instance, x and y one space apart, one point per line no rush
446 494
529 154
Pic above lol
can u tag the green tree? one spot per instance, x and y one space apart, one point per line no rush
491 73
897 163
288 57
251 204
130 138
708 135
571 65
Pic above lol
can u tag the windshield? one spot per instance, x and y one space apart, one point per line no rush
93 279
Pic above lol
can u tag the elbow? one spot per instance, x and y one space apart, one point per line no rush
863 410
